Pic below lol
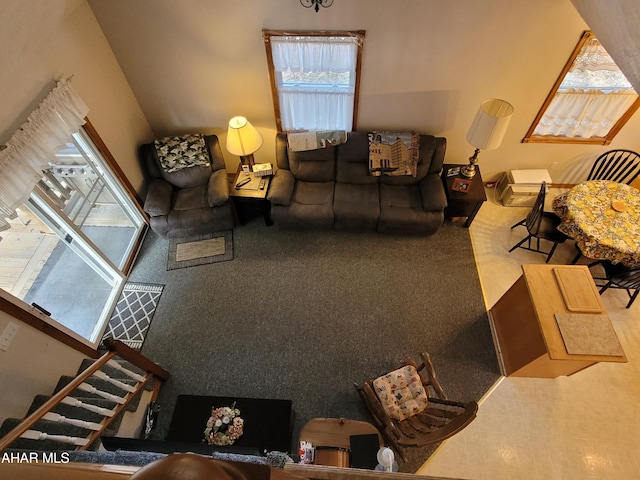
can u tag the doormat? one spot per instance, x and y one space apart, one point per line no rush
210 248
133 313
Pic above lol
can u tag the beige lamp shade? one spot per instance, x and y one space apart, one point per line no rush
242 138
490 124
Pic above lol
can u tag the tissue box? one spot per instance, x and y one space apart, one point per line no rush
263 169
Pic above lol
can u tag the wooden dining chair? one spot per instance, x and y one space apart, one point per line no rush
621 166
410 409
619 276
540 225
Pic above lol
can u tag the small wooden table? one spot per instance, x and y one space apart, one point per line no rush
336 433
463 204
250 200
526 331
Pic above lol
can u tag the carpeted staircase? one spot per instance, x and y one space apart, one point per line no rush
96 410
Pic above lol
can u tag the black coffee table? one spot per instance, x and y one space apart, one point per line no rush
267 422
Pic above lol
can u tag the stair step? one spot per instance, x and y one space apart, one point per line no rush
71 411
51 428
102 385
113 372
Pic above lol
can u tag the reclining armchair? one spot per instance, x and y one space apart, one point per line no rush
187 197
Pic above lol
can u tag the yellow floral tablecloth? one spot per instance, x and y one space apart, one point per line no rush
602 231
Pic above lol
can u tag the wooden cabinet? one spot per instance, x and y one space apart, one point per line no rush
528 337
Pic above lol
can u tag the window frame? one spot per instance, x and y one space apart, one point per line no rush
268 34
530 137
17 308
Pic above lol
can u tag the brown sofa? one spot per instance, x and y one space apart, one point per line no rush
332 188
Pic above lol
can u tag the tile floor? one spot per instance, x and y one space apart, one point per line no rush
586 426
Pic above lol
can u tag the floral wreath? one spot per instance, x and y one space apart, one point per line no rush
224 426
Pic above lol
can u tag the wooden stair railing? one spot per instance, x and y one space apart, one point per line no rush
115 349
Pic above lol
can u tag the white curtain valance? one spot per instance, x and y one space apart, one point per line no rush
594 68
594 57
314 54
33 146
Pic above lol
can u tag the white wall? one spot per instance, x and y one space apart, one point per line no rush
45 40
41 41
31 365
427 65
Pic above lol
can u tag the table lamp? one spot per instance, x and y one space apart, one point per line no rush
487 130
243 140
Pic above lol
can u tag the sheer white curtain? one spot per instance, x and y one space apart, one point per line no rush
33 146
318 110
576 113
312 100
594 94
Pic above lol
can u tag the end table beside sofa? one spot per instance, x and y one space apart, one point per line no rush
463 204
250 202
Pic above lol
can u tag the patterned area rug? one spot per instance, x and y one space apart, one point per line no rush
134 311
201 250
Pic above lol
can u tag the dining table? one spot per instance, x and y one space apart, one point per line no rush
603 217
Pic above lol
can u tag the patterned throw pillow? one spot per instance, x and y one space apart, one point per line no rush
176 153
401 393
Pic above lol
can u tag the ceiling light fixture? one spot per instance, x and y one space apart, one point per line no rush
316 3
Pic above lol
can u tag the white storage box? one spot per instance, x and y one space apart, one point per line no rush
519 188
263 169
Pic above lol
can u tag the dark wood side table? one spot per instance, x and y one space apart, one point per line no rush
250 200
463 204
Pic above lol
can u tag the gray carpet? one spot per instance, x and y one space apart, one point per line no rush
304 315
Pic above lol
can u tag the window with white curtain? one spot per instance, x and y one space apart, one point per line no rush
69 226
314 78
590 102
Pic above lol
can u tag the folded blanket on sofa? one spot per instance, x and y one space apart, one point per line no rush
394 153
176 153
315 139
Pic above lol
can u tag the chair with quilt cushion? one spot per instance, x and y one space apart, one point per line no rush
188 193
409 407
